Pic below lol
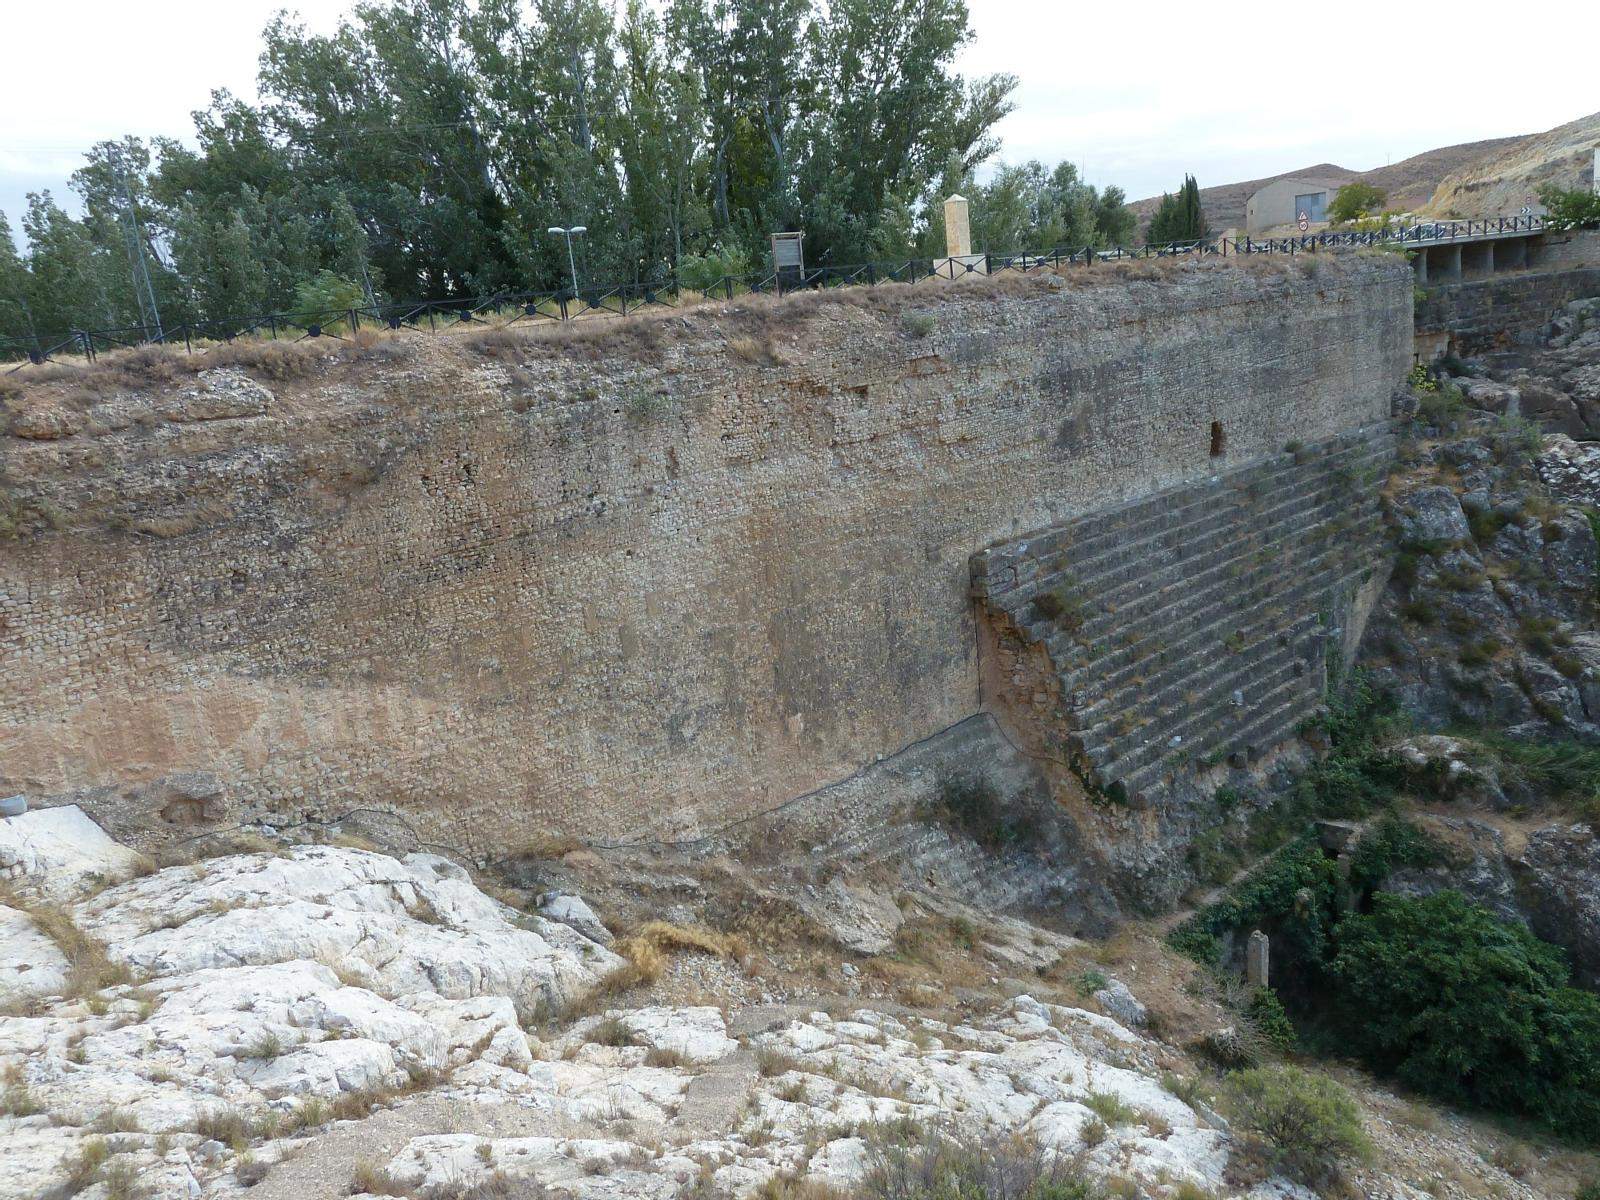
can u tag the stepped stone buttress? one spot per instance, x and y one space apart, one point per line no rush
1188 628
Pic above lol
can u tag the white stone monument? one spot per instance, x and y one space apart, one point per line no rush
958 242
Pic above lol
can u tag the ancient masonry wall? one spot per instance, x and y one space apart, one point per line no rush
637 592
1501 312
1189 630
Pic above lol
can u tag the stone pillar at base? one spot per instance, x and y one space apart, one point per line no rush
1255 960
958 242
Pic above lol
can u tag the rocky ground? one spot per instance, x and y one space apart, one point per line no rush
1487 632
1556 384
313 1020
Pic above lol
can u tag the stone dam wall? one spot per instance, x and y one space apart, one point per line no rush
616 584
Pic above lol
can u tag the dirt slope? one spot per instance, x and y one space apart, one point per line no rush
1505 181
1409 183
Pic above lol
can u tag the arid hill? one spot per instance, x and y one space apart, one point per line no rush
1409 183
1503 182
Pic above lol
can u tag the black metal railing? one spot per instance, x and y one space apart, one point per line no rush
505 309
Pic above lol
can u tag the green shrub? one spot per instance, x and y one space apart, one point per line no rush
973 805
1354 201
1267 1014
1309 1123
1090 981
1443 408
702 272
1113 1110
326 298
1570 208
1543 635
1270 899
1560 770
1485 523
1391 845
1474 1010
918 325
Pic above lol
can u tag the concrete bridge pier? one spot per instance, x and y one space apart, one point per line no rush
1444 263
1477 259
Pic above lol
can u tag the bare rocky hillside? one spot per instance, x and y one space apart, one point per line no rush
292 1018
1512 177
1408 183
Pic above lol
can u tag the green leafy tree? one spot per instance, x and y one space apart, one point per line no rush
1570 208
16 289
1114 222
424 147
1179 218
326 298
1475 1010
1356 201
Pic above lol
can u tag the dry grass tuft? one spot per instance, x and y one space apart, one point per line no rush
84 1168
374 1179
89 968
760 351
661 1056
647 951
275 360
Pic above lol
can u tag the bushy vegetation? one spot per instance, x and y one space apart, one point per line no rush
1475 1010
1308 1123
702 272
326 298
923 1163
1179 218
1356 201
973 805
1570 208
1561 771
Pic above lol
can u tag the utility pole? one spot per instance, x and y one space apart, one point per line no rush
144 292
572 263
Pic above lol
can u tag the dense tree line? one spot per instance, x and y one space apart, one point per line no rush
424 147
1180 218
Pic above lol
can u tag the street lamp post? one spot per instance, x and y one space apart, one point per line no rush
572 263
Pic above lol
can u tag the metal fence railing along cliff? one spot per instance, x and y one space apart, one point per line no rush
508 308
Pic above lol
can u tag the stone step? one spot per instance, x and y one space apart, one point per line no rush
1306 517
1193 596
1243 674
1276 722
1175 511
1115 667
1089 576
1200 736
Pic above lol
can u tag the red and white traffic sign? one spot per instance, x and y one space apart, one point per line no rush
1305 221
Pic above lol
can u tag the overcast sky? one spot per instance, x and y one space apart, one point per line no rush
1136 93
